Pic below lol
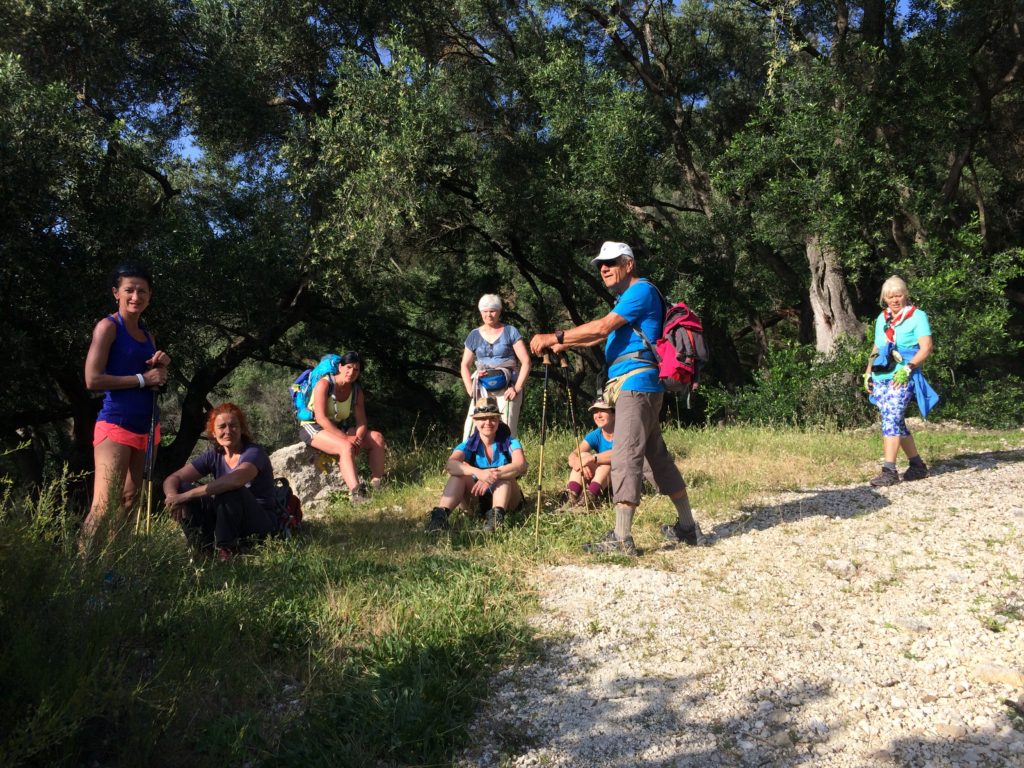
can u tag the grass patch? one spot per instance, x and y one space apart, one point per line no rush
360 642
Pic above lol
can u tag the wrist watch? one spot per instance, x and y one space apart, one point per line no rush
560 337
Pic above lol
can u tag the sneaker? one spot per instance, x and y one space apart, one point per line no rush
677 535
494 519
225 555
885 477
915 472
438 520
611 545
358 495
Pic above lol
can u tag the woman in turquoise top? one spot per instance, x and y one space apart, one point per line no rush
483 472
591 461
903 341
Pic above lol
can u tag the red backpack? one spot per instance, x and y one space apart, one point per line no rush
681 350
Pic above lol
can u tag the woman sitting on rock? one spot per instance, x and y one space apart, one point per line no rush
340 428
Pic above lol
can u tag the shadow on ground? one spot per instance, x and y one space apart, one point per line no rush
848 502
657 722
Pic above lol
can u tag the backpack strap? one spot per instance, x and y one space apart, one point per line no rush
640 332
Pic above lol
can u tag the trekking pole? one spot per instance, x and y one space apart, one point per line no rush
543 436
563 363
147 467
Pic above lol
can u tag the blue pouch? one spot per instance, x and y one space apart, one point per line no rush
494 380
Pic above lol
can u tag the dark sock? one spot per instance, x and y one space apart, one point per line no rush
574 488
916 461
594 488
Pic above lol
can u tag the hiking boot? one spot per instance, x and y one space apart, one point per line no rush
567 500
885 477
590 501
915 472
224 554
494 519
677 535
438 520
611 545
358 495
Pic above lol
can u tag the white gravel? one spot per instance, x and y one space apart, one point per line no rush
836 627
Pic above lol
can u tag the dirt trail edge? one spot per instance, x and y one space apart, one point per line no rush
843 626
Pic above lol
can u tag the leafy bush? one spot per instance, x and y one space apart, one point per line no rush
798 387
993 404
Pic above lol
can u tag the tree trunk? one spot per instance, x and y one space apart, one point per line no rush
830 298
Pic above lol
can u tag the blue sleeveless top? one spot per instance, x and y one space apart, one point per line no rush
128 408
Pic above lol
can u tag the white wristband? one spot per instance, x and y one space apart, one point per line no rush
142 381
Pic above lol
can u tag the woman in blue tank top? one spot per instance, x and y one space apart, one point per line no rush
124 362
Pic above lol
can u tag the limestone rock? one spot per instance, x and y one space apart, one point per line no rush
993 673
312 475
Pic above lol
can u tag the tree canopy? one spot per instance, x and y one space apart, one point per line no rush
312 176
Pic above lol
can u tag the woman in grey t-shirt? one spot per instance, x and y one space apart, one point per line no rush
502 364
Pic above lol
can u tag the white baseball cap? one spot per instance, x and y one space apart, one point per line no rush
611 251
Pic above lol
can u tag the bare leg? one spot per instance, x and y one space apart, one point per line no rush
909 447
374 447
507 495
891 447
455 491
603 476
112 476
341 448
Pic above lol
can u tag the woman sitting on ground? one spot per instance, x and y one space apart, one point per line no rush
591 461
340 428
239 502
483 472
903 341
497 348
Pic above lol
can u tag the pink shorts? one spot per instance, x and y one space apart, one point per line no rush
115 434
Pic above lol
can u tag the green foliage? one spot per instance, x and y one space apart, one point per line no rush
300 650
992 404
798 387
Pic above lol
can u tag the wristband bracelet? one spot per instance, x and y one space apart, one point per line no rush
142 381
560 337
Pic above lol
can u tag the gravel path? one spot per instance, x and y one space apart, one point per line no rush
836 627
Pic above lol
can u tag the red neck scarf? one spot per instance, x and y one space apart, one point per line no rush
891 321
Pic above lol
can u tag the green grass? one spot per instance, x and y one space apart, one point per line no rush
361 641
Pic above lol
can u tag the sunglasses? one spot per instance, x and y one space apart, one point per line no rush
616 262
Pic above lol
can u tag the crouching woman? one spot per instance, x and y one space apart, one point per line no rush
484 472
239 502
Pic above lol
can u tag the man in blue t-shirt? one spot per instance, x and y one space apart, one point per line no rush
634 383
